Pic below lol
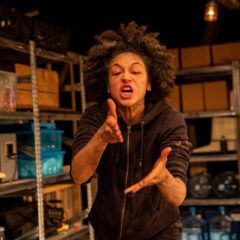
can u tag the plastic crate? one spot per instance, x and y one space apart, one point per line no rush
14 25
51 139
52 163
50 37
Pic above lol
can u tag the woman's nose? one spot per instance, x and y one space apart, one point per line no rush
126 77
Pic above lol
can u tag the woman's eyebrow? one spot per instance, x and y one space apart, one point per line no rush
119 65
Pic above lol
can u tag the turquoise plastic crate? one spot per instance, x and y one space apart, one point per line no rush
52 163
51 139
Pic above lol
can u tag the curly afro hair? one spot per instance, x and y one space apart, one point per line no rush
129 38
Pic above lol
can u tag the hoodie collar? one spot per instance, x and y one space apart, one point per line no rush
154 109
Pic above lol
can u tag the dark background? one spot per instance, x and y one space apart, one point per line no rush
180 23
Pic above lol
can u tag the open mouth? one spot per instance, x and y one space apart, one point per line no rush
126 92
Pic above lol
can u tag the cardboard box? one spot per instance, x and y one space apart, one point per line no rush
175 53
224 126
70 196
174 98
225 53
47 80
45 100
195 56
47 84
216 95
192 97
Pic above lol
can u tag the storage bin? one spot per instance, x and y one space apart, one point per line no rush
14 25
8 83
52 163
50 37
198 56
51 139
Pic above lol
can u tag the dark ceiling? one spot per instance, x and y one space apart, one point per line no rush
180 23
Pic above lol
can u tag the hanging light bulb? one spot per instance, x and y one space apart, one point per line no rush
211 11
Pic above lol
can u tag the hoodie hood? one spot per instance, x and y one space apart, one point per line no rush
154 109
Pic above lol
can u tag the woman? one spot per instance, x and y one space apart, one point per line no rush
133 139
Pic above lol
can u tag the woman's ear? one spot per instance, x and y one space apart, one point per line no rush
108 90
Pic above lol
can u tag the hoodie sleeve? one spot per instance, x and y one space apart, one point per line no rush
176 137
91 120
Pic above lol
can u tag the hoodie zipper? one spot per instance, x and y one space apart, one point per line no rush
126 181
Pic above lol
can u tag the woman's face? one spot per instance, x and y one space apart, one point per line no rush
128 79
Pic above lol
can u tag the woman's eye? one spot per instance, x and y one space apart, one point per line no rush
116 73
136 72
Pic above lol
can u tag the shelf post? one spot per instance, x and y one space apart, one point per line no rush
236 89
37 142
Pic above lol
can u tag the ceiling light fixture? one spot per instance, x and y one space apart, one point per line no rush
211 11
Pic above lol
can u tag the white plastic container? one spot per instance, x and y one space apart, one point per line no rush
8 82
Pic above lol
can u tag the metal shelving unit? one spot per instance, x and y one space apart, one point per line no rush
214 158
233 71
212 202
203 71
27 115
209 114
31 54
30 183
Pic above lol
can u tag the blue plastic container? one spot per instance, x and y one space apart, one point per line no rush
52 163
51 139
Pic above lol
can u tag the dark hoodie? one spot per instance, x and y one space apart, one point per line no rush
115 215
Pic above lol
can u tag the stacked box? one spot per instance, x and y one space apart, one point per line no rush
47 84
199 96
225 53
198 56
192 97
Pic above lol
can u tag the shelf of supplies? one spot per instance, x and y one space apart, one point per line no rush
65 116
74 232
41 53
28 184
28 115
216 70
214 158
211 202
69 115
210 114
